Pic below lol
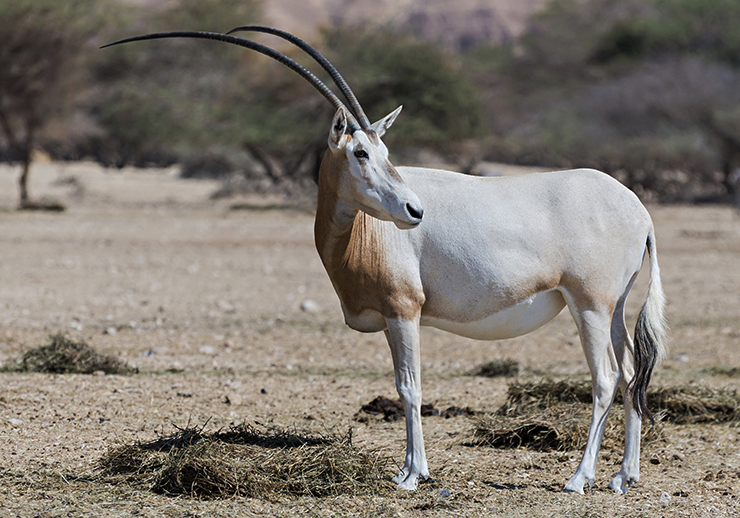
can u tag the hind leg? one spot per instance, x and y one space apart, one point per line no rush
624 348
594 330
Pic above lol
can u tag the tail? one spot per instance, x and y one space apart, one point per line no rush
650 334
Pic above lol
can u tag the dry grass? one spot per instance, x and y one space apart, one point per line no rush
526 398
684 404
555 429
247 461
551 415
505 368
690 404
62 355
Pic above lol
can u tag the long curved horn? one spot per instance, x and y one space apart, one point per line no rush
321 60
267 51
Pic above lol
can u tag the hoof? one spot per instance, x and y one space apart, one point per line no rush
621 483
577 483
408 481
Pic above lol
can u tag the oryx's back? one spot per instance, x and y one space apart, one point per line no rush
520 244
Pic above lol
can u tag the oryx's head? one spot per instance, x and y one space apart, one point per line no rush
369 181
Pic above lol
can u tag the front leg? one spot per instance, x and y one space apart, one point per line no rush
403 338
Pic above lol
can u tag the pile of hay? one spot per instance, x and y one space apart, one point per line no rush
561 428
247 461
505 368
525 398
555 415
551 416
62 355
692 404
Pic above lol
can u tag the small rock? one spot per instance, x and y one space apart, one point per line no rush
226 306
233 399
310 306
654 460
679 456
185 393
99 373
110 331
443 493
263 391
207 349
665 498
15 422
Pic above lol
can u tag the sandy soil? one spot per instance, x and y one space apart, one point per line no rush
207 303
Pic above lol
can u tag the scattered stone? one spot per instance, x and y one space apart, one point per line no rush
207 349
233 399
226 306
15 422
185 393
665 498
263 391
443 493
110 331
310 306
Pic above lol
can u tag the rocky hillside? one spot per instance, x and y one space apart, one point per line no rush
458 25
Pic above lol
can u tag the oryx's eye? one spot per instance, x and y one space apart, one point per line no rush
361 154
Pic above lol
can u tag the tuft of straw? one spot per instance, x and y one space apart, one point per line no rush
505 368
691 404
62 355
250 462
554 429
524 398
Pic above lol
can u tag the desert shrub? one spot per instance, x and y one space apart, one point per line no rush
645 90
388 69
42 73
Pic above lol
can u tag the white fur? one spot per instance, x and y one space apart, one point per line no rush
490 258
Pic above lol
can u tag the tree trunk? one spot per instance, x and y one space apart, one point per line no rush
274 169
23 180
26 157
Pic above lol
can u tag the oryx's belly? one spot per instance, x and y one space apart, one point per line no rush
517 320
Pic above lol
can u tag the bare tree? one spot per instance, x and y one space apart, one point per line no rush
38 54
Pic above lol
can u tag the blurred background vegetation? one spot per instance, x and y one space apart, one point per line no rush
646 90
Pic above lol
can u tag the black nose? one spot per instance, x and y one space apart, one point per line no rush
415 212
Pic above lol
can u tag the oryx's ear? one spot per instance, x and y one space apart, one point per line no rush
338 127
383 124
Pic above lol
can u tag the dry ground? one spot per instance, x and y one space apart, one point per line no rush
206 302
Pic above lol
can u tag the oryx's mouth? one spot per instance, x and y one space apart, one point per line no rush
415 211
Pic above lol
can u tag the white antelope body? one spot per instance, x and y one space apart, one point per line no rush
487 258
